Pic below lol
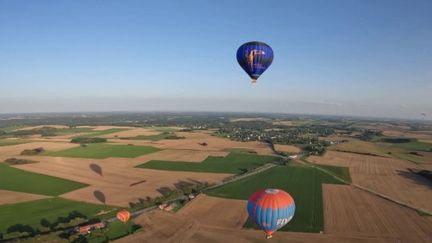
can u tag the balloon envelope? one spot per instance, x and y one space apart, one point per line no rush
254 57
271 209
123 216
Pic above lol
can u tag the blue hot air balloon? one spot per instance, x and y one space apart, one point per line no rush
254 57
271 209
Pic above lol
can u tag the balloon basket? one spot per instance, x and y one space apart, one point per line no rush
269 236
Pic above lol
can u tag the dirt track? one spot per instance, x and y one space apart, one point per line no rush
350 211
383 175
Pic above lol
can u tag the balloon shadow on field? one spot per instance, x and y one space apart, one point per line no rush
100 196
96 168
416 177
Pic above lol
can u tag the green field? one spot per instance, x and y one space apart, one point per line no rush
102 151
31 213
233 163
7 142
361 147
415 146
104 132
23 181
157 137
303 183
113 231
341 172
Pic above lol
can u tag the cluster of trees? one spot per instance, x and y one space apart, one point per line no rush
85 140
169 194
370 135
315 149
15 161
72 219
32 151
43 131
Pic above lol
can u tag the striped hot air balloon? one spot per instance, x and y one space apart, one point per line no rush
271 209
123 215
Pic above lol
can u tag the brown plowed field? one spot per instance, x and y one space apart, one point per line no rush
14 150
387 176
351 211
159 226
215 211
8 197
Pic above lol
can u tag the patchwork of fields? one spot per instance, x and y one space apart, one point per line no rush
63 179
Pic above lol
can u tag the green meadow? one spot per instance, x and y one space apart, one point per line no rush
31 213
14 179
235 163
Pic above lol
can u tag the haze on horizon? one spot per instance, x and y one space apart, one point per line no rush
338 57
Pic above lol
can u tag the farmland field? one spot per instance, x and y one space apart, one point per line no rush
96 133
387 176
303 183
232 163
23 181
352 211
156 137
102 151
7 142
360 147
31 213
415 145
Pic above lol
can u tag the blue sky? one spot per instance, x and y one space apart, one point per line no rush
344 57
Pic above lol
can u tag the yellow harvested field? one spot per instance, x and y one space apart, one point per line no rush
182 155
215 211
386 176
350 211
9 197
14 150
116 179
287 148
132 133
159 226
194 141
